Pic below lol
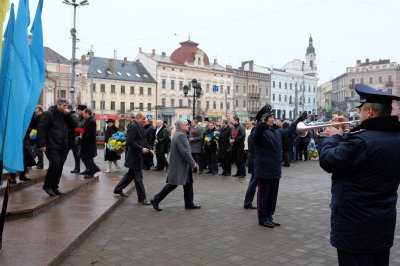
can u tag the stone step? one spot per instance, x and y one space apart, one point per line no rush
29 198
46 238
36 176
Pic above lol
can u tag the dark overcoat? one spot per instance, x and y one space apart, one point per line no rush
197 134
135 142
210 146
224 142
52 130
110 155
149 132
163 140
365 177
88 142
268 150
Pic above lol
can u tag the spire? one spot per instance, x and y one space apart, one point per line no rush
310 48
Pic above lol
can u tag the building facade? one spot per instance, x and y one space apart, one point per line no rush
324 99
117 87
173 72
294 87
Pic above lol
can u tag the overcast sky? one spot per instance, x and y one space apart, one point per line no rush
266 31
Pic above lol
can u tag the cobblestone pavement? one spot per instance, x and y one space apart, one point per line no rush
222 232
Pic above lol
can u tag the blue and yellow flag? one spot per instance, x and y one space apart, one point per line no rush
4 7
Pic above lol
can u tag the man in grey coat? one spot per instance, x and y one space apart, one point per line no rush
195 140
180 168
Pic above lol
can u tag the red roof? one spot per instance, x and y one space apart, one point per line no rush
186 53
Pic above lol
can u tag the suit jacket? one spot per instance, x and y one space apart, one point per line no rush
135 142
88 143
197 135
163 140
224 142
180 161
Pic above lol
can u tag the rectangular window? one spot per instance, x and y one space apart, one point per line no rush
237 103
244 89
215 105
172 84
112 106
112 88
141 90
207 105
94 87
389 91
370 80
163 102
221 105
237 88
132 90
273 84
353 81
222 88
280 85
122 89
132 106
228 88
149 107
122 109
102 105
280 98
362 80
141 106
163 83
228 105
285 98
94 105
290 85
285 85
208 87
172 102
380 79
148 91
102 87
273 97
180 103
190 103
180 85
244 104
389 78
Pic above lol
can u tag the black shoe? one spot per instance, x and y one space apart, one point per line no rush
236 175
75 171
146 168
157 169
13 180
275 223
39 166
88 176
97 169
155 205
49 191
24 178
122 194
58 192
193 207
200 172
267 224
209 172
144 202
242 176
250 207
194 171
222 174
227 174
84 172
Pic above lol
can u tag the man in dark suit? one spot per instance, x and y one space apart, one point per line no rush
149 132
225 148
136 146
195 141
161 141
180 172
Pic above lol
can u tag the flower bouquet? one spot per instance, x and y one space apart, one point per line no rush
210 137
117 143
33 134
79 130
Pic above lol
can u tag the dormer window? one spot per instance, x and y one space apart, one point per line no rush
198 61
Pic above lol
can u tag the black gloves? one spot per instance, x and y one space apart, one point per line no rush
302 117
264 112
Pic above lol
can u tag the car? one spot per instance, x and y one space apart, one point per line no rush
100 140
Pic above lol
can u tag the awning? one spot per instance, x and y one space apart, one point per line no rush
105 117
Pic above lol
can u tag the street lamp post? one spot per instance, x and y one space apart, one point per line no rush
73 34
196 93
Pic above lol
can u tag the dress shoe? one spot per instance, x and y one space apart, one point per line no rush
49 191
157 169
209 172
236 175
275 223
96 170
267 224
58 192
144 202
155 205
226 174
88 176
193 207
75 171
122 194
24 178
223 174
250 207
84 172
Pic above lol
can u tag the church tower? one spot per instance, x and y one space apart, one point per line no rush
310 67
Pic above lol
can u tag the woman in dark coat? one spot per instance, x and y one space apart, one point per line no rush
88 144
111 156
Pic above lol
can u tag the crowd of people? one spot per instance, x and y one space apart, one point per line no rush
364 165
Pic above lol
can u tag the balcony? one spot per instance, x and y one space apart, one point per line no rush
253 95
389 83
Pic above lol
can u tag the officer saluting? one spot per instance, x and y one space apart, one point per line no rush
365 177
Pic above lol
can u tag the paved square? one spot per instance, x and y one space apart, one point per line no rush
222 232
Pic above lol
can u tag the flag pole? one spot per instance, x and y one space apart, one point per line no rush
4 210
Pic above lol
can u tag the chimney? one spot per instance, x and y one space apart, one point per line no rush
140 49
153 51
251 65
111 65
125 61
215 61
163 54
358 62
367 60
83 59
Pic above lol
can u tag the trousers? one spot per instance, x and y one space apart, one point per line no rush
137 176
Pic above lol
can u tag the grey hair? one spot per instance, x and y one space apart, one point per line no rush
131 115
61 101
380 109
179 123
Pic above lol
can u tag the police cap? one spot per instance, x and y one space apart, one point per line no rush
371 95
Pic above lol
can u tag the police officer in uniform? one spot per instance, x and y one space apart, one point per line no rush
268 162
365 177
